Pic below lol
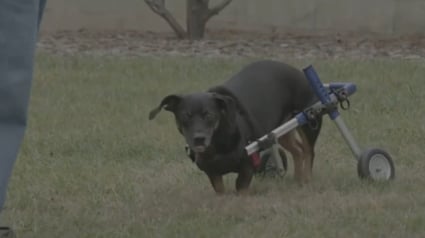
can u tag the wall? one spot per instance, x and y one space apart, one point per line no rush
308 16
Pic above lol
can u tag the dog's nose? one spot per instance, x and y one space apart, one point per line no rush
199 140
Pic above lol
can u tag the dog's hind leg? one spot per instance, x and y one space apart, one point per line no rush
290 143
217 183
310 135
307 153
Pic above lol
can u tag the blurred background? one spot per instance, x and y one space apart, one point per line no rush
387 17
269 28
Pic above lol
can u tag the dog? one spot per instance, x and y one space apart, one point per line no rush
218 123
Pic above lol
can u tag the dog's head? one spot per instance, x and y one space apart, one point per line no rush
198 116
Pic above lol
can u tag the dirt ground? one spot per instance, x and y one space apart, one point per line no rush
233 44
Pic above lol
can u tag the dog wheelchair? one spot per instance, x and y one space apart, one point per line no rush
373 164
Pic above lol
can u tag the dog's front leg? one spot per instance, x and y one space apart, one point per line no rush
244 179
217 183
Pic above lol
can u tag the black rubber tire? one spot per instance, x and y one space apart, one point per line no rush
265 160
284 159
282 156
376 173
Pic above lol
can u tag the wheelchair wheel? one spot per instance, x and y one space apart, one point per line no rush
376 164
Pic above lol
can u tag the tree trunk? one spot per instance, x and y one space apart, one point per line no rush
196 14
158 6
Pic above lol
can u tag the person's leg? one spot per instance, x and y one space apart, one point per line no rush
41 6
19 22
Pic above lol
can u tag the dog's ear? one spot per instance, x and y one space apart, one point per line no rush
226 104
169 103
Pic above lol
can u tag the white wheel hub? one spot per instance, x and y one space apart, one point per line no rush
379 167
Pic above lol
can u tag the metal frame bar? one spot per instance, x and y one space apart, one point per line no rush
301 119
278 132
348 137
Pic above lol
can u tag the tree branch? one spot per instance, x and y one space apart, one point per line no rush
158 6
215 10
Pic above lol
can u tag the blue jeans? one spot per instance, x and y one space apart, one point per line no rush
19 23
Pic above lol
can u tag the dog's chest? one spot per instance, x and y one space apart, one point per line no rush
219 164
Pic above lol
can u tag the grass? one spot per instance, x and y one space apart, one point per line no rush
92 165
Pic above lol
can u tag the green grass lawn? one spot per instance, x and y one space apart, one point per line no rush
93 165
